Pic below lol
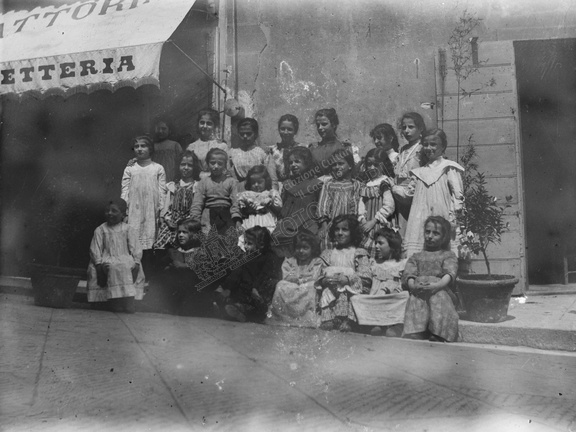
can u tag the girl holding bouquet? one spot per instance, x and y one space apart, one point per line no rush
259 203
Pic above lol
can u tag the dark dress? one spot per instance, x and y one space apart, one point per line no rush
176 289
322 152
262 273
299 208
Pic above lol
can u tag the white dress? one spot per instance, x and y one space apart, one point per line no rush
437 191
294 301
385 304
144 189
117 248
266 220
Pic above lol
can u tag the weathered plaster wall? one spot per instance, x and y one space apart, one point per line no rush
371 60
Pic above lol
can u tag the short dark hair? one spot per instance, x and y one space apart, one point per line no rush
292 119
305 236
387 131
146 139
417 118
432 132
330 114
250 122
394 240
190 224
345 154
446 230
258 170
195 163
214 116
164 120
118 202
436 132
382 159
216 151
305 154
353 225
262 237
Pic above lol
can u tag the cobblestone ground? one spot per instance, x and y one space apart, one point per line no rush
84 370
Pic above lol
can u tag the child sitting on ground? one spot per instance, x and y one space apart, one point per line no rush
178 284
247 291
115 274
383 308
347 273
294 301
428 276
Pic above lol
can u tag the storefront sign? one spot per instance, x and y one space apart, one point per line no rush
138 65
98 42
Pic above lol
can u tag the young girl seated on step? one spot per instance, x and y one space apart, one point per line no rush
383 308
247 292
179 282
347 273
115 273
294 301
428 277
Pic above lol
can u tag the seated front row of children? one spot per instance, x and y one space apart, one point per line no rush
341 288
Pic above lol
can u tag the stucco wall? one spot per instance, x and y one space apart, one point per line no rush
371 60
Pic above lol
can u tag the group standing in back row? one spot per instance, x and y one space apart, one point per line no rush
336 222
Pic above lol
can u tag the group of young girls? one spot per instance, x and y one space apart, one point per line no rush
325 238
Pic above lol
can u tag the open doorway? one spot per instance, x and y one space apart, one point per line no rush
546 75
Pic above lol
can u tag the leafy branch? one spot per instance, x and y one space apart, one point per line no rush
481 219
464 62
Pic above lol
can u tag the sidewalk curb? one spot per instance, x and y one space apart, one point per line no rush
470 332
501 334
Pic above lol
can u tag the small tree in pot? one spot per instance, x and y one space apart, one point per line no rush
481 223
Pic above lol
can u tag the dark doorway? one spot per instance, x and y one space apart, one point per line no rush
546 74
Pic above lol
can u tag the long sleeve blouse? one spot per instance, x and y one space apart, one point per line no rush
210 194
339 197
113 243
357 260
242 160
407 160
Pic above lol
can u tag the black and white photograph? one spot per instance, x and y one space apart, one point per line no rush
288 215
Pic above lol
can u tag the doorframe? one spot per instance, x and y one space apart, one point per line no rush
520 177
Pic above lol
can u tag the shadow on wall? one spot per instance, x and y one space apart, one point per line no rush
61 160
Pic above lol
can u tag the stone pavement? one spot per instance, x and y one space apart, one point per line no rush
84 370
544 319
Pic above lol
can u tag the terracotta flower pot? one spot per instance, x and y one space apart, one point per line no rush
486 300
55 286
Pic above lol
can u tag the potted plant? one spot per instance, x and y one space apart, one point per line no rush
58 220
481 223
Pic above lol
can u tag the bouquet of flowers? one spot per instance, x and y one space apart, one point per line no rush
251 202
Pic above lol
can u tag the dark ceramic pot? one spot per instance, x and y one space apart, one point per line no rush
55 286
486 300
